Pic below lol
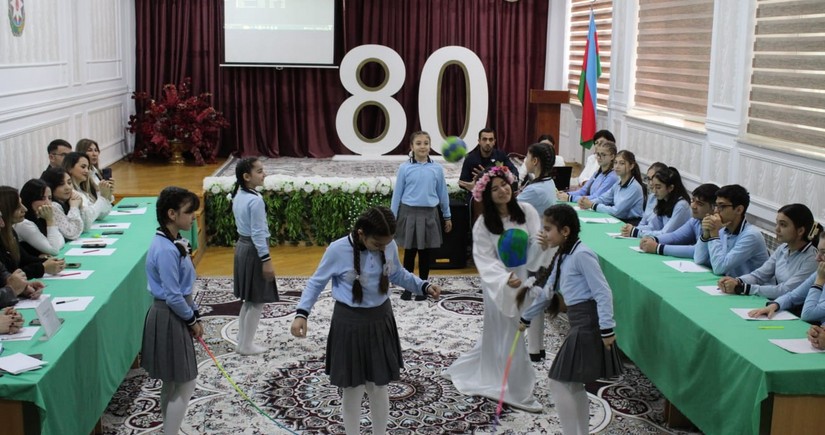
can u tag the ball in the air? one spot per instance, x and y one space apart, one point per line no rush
512 247
453 149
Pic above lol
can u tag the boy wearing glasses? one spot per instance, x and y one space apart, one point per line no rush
729 243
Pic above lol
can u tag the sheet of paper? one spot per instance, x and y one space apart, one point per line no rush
83 252
686 266
25 333
19 363
78 303
112 226
127 211
636 248
780 315
27 304
107 240
70 274
795 345
604 220
48 317
712 290
619 236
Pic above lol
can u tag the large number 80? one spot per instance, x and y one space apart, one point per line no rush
429 95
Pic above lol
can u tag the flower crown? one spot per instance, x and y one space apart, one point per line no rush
495 171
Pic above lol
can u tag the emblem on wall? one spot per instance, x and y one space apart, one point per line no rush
17 17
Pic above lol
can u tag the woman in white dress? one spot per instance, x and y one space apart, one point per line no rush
97 203
480 371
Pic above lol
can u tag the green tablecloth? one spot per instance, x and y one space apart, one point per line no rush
92 352
714 366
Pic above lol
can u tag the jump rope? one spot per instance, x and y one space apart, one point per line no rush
238 389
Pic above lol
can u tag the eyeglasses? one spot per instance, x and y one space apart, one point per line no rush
603 155
722 206
60 154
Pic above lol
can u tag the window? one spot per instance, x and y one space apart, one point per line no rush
787 99
579 24
673 56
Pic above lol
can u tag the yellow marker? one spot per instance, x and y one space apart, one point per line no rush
771 327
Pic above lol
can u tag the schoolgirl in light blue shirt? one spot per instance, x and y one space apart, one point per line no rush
671 208
604 179
625 199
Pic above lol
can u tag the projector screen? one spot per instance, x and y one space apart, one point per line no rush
279 32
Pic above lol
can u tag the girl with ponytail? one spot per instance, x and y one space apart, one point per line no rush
361 266
626 199
790 264
254 275
575 274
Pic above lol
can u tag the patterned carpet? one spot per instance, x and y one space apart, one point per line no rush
288 381
300 167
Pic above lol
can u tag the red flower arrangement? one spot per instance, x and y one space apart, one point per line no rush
178 115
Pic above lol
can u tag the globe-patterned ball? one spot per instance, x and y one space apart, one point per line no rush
453 149
512 247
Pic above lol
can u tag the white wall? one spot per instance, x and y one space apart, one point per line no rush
68 76
717 151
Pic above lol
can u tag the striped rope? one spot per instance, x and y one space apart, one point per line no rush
506 376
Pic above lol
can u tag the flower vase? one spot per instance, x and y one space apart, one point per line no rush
177 152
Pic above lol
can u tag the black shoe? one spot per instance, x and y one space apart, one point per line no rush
420 298
536 357
406 296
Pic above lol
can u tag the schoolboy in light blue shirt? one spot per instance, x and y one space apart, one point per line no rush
731 244
681 243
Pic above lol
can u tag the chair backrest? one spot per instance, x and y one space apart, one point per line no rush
561 176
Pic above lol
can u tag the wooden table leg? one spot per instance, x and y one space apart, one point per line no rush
797 414
19 418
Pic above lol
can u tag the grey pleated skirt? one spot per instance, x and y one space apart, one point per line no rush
250 284
363 346
167 352
418 227
583 357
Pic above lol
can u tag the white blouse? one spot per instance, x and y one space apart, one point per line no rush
70 225
51 243
92 210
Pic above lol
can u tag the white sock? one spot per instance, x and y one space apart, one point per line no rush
567 397
176 406
535 334
351 409
379 407
249 325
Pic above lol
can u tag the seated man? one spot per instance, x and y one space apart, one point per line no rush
681 243
731 244
58 149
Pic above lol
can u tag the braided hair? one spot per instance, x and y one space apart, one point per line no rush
374 222
178 199
559 216
547 159
243 167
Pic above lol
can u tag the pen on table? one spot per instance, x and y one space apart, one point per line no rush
771 327
108 226
65 301
69 274
90 251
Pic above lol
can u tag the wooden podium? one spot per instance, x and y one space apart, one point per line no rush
548 105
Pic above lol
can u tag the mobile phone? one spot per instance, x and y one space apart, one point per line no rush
93 245
110 233
127 206
107 173
72 265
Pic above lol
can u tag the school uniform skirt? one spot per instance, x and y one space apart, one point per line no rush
583 357
418 227
167 352
363 346
250 284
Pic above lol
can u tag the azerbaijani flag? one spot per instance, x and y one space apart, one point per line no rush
591 71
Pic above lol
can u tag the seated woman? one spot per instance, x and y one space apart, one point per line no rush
626 198
672 207
38 232
604 179
66 203
12 257
91 149
10 321
96 205
647 178
808 294
13 287
792 262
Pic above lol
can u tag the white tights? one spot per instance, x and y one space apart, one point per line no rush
174 398
379 408
572 405
247 325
